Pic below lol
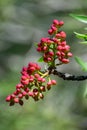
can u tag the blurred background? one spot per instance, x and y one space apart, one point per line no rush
22 24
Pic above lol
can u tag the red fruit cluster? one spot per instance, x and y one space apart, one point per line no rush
55 47
32 84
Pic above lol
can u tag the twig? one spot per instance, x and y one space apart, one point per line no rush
66 76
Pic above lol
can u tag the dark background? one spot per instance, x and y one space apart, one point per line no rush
22 24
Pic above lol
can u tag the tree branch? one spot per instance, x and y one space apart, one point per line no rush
66 76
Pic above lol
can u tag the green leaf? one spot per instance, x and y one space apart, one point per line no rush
81 18
51 46
84 42
81 63
85 28
36 44
40 59
85 91
82 36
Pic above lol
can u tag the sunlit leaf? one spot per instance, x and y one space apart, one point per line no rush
81 18
35 44
82 36
40 59
85 28
51 46
84 42
85 91
81 63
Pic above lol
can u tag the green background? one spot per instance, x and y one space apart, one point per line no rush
22 24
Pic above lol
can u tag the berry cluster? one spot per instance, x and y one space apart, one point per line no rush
55 46
32 84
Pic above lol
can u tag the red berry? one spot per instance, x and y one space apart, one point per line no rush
51 53
59 48
50 31
41 95
53 82
8 98
63 43
39 49
69 54
53 28
42 88
24 93
16 100
45 48
61 23
58 35
26 90
66 48
55 22
31 93
58 53
12 96
64 60
20 95
19 86
36 75
63 34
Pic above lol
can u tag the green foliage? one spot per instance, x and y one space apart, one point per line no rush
81 63
81 36
83 42
85 92
81 18
40 59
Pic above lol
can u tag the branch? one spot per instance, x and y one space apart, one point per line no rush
67 76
